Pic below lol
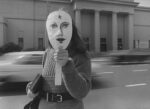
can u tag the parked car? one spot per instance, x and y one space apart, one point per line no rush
18 68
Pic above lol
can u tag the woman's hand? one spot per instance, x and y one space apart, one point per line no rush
61 56
29 92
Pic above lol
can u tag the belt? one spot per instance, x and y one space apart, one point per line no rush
56 97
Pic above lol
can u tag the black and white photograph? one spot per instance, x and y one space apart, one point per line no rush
74 54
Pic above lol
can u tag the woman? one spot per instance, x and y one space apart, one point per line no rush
75 62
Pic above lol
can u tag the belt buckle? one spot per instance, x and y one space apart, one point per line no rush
59 98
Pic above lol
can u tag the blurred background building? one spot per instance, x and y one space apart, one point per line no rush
103 24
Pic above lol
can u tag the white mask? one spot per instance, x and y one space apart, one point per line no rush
59 29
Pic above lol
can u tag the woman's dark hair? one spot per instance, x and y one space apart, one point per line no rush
76 45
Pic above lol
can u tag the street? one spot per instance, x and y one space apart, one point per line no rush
126 75
129 89
13 100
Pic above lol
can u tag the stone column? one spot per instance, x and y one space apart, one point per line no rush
114 31
97 31
130 31
78 19
2 31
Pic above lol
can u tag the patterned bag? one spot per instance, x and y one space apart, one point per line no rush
35 87
34 104
36 84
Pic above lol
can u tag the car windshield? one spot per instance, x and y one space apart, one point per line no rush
29 59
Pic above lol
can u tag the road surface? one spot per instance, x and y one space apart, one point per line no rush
128 87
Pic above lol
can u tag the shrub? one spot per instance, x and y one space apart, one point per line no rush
10 47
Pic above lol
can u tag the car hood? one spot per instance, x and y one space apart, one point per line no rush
20 72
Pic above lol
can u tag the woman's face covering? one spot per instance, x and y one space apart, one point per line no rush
59 28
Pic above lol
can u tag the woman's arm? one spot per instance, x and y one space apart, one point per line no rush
29 92
44 57
77 76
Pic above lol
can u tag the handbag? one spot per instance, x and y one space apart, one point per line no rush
33 104
36 84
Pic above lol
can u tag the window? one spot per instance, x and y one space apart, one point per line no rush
120 46
40 44
103 45
20 42
136 43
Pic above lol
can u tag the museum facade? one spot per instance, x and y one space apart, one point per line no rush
104 25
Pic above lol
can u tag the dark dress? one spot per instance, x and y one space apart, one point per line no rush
76 81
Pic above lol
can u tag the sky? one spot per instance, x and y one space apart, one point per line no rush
143 2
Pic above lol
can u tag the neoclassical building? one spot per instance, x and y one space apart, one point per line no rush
104 25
